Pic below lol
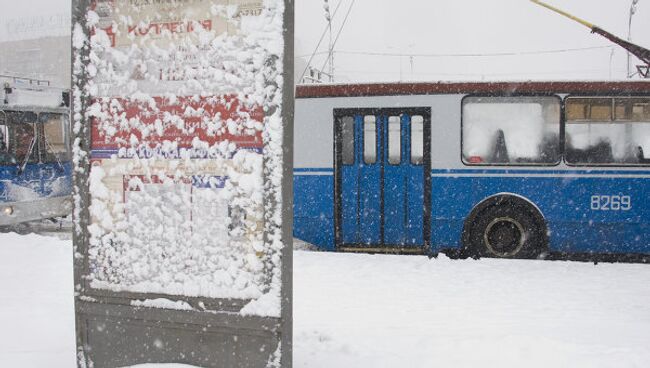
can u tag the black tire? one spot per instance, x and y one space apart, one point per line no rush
506 228
20 229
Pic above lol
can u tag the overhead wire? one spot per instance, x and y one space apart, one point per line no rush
495 54
480 74
512 53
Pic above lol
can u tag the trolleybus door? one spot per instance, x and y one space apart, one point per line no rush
360 180
382 191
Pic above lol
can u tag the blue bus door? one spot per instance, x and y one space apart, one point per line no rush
382 187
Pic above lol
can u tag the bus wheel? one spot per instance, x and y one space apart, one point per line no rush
511 228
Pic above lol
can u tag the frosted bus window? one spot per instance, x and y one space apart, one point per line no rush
5 157
4 136
370 139
511 130
622 110
641 110
347 140
394 140
589 109
577 109
53 145
600 109
623 139
632 109
417 139
24 137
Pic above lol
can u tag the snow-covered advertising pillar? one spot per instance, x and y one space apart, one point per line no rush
182 222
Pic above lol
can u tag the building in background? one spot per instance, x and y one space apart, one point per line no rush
35 43
42 58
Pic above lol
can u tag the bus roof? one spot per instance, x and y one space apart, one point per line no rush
35 108
495 88
17 92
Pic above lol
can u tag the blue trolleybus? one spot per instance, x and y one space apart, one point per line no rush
35 166
509 170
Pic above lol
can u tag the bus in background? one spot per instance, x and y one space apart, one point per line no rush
507 170
35 166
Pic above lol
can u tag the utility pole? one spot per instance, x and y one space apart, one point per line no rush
629 34
330 54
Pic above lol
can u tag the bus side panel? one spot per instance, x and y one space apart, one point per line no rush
314 173
575 223
452 199
600 215
35 182
314 209
62 183
40 191
7 173
57 180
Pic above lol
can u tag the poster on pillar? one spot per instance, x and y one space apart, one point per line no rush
180 112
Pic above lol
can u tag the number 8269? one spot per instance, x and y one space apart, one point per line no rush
611 203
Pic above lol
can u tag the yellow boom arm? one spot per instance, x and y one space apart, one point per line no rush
562 12
642 53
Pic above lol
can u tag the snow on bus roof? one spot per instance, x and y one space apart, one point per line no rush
29 93
34 108
507 88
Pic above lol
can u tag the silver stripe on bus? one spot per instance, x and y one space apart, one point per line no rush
504 175
541 175
314 173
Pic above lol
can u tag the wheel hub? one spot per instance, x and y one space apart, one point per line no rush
504 237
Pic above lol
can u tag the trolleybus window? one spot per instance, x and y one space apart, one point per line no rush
347 140
24 136
511 130
53 145
370 139
4 133
614 131
394 140
5 156
417 139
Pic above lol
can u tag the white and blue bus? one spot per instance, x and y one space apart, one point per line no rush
35 160
509 170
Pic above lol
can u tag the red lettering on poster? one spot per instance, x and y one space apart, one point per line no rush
173 27
210 119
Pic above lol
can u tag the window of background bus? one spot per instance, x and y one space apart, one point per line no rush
6 158
608 130
22 124
53 145
511 130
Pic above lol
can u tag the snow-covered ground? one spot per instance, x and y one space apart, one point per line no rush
382 311
36 302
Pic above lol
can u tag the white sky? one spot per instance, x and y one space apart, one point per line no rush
427 27
472 26
27 19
